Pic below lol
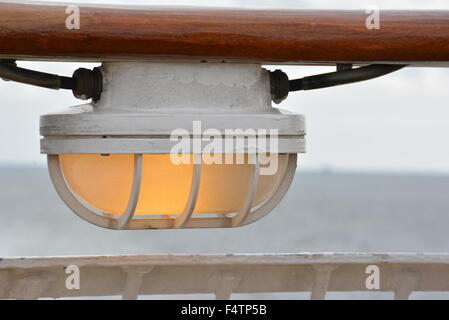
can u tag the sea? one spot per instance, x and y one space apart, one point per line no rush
324 211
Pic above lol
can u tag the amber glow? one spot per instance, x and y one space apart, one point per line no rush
104 182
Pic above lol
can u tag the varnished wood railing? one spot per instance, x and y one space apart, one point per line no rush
38 31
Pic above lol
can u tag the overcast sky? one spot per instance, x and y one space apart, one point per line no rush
397 123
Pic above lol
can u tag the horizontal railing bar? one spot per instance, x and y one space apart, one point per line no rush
226 259
223 275
210 34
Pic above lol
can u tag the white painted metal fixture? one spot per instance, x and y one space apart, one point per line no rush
130 132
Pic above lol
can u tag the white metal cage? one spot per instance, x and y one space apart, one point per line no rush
247 214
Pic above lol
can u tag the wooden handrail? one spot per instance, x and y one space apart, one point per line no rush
38 31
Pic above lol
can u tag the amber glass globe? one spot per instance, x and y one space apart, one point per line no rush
104 182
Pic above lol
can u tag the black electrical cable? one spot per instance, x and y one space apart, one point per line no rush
85 84
10 71
343 76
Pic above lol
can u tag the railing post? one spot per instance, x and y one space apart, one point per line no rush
321 283
133 281
228 281
407 281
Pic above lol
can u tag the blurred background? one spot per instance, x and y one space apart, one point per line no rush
375 177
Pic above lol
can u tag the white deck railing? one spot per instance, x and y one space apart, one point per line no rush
222 275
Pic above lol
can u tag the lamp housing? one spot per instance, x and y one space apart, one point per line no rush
171 145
